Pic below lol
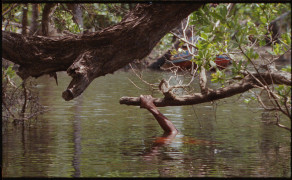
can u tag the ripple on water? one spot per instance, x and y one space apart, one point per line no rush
94 135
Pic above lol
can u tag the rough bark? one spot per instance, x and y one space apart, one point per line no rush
244 85
88 56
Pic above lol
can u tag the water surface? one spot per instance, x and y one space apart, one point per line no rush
94 136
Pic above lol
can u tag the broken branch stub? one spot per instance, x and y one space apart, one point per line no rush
83 71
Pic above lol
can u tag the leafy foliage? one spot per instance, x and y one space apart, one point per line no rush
95 15
246 27
100 16
254 36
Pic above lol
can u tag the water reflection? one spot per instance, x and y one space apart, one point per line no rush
77 138
165 139
166 152
95 136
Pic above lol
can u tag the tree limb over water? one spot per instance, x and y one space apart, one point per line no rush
88 56
247 83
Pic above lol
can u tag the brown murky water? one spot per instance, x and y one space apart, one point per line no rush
94 136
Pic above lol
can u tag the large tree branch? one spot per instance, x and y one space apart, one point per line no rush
88 56
244 85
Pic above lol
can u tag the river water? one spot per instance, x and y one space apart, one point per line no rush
94 136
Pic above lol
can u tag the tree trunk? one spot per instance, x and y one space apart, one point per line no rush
77 14
24 20
88 56
46 19
34 18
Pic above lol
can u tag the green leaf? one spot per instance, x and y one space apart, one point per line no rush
217 16
263 19
239 65
276 49
262 42
271 52
288 38
255 55
247 100
280 87
234 64
204 36
200 54
251 53
223 11
287 69
173 52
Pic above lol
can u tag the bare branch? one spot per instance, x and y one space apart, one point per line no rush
140 77
280 125
184 40
9 9
263 105
244 85
8 110
134 84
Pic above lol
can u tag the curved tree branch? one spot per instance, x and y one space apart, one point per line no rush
88 56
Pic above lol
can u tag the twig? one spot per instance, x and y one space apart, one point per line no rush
140 77
280 125
5 105
184 40
134 84
12 7
263 105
